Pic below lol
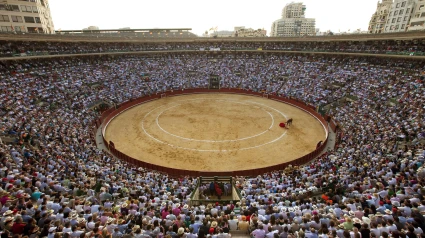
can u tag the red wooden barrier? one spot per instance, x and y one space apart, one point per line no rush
109 114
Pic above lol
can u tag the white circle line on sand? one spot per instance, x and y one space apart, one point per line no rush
270 108
185 148
212 141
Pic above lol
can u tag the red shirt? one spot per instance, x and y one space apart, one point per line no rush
18 228
164 214
176 211
4 199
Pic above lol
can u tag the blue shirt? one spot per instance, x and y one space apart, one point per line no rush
35 195
195 227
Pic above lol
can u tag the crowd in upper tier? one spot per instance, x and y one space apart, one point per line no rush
22 48
55 182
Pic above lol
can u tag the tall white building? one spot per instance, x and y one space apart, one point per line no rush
417 22
399 16
26 16
293 22
379 18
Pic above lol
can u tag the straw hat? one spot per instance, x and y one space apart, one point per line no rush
180 231
366 220
214 224
357 220
388 211
110 220
7 213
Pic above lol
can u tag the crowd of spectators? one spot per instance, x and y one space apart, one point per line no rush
57 183
21 48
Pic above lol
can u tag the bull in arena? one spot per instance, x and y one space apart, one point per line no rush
289 122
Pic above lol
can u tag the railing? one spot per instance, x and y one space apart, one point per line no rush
121 38
109 114
42 54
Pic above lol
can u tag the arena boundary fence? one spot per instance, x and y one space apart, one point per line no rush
109 114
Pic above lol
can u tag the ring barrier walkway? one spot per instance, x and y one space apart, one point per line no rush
109 114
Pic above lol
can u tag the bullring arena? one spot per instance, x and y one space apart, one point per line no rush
105 134
214 132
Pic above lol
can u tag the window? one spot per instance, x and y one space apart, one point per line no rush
396 27
395 13
403 4
37 20
408 10
17 19
400 12
2 7
14 8
393 21
386 28
399 19
34 9
32 29
6 28
4 18
29 19
390 14
406 18
18 29
402 26
398 5
26 8
421 6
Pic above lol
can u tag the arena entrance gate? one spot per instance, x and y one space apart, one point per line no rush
232 195
214 82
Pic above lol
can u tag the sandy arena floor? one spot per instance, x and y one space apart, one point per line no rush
214 132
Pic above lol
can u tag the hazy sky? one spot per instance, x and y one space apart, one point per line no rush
201 15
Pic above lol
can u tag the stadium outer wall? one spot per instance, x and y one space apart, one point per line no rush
109 114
